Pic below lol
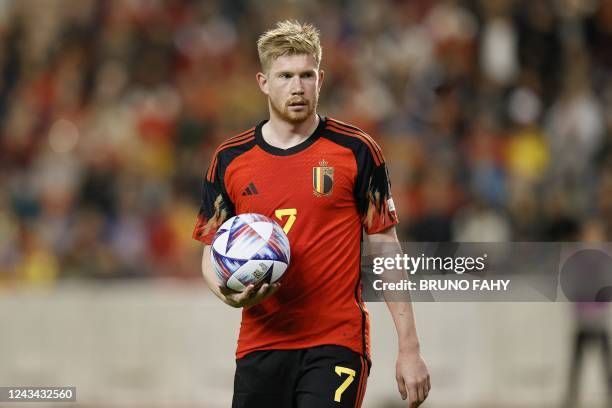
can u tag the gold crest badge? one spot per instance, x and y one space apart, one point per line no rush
322 179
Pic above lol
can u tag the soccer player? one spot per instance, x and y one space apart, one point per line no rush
305 343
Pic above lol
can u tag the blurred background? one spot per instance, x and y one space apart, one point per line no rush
495 117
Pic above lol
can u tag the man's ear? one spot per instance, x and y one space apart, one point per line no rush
321 75
262 81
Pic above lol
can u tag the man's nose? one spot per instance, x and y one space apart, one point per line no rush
297 87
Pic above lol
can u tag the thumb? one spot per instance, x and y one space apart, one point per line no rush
247 292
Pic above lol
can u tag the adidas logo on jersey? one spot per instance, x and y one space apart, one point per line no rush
250 190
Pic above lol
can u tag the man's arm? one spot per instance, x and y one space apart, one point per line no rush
209 274
249 297
411 373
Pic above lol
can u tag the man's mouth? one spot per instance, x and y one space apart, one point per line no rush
297 103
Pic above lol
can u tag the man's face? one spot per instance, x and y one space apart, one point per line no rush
292 84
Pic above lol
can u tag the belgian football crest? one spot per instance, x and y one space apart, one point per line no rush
322 179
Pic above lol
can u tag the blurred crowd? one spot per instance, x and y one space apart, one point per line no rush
495 117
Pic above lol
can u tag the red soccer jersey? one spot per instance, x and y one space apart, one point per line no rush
323 192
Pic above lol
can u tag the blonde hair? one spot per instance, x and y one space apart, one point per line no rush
289 38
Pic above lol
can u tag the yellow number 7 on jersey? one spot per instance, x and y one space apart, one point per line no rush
284 212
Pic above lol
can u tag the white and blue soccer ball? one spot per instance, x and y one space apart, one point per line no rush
249 249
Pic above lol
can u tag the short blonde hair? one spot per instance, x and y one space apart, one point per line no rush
288 38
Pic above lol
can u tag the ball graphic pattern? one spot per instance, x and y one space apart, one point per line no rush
249 249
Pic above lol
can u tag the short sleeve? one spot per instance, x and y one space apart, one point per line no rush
373 191
215 207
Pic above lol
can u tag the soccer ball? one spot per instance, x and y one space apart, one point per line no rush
249 249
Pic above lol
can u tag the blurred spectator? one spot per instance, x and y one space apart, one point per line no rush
479 222
591 327
499 42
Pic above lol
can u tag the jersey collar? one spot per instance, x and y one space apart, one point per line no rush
277 151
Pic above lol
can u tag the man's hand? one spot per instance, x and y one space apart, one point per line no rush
412 377
250 296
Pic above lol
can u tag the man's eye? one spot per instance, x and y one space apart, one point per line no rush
307 75
285 75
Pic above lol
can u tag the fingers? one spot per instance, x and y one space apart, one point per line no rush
415 392
272 289
424 388
247 293
250 296
236 299
412 377
420 392
225 291
401 387
408 390
413 399
257 295
265 291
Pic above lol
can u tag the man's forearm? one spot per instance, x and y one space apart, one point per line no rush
403 317
386 243
209 274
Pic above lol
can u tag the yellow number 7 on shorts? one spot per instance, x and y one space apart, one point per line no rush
345 384
284 212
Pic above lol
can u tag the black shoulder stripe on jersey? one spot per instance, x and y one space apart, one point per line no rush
240 136
369 139
213 163
375 184
361 150
232 143
336 129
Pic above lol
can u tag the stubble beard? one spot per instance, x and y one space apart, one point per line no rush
294 117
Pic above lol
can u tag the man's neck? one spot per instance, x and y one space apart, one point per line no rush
285 135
